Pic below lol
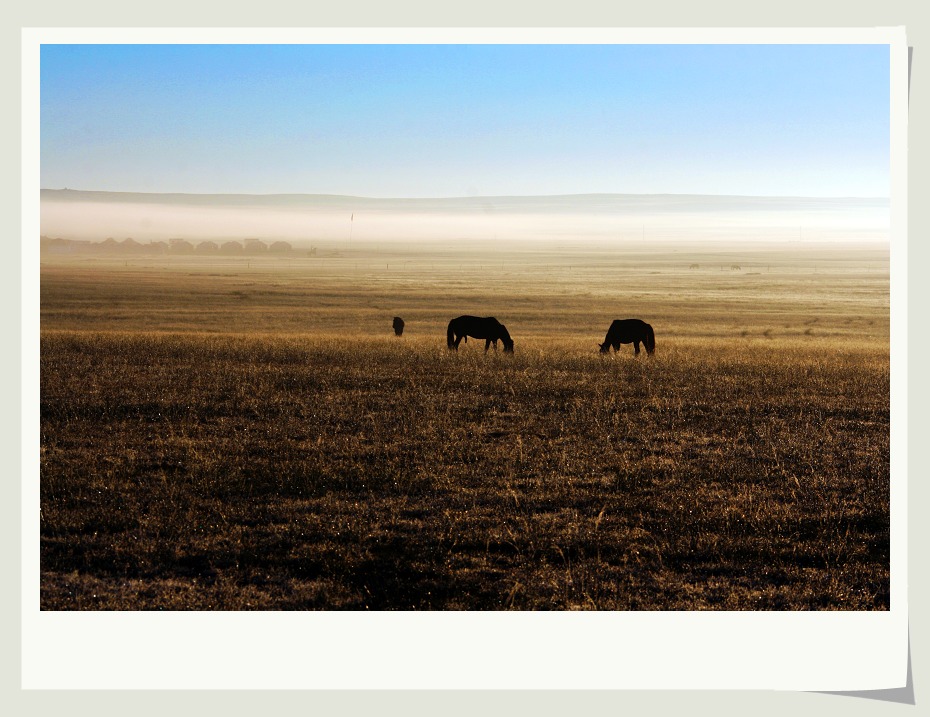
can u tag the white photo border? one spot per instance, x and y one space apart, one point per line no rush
825 651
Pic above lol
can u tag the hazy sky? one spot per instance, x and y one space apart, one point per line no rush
460 120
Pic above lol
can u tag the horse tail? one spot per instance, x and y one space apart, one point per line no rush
650 340
450 335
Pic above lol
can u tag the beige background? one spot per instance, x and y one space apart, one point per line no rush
275 13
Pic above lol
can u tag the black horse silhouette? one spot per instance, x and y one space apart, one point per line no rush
398 326
629 331
489 329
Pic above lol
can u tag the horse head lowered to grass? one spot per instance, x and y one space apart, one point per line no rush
488 328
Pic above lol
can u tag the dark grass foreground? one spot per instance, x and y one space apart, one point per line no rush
221 472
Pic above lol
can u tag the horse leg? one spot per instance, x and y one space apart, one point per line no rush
636 346
458 340
487 345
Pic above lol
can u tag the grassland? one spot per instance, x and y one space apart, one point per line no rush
250 435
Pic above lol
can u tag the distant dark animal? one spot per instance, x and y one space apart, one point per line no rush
398 326
629 331
489 329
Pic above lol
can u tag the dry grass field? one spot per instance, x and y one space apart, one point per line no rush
247 433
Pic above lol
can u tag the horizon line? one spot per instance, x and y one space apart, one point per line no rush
471 197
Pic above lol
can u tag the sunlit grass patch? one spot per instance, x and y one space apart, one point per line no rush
335 472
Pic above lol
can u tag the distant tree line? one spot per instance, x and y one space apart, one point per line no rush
172 246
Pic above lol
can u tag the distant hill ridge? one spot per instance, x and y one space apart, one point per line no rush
542 203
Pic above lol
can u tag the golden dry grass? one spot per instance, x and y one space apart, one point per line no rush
251 435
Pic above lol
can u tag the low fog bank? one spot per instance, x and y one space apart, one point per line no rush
312 219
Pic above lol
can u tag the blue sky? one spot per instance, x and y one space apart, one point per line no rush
460 120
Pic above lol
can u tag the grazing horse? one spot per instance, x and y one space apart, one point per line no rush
629 331
398 326
489 329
